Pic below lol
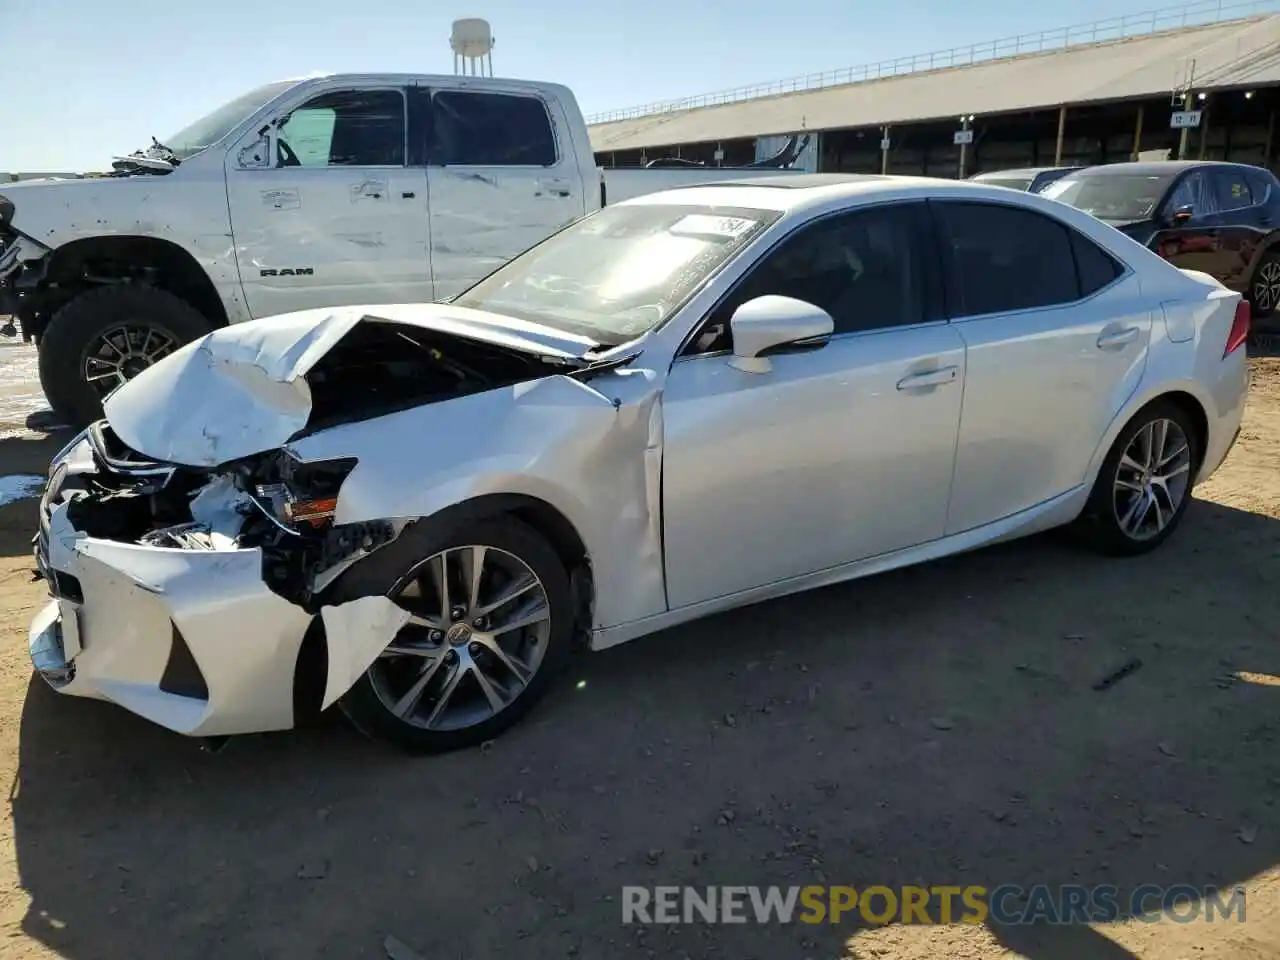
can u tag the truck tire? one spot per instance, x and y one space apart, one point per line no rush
106 336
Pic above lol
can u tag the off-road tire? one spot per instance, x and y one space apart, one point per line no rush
1098 526
73 329
376 576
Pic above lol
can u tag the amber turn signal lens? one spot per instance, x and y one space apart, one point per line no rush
315 513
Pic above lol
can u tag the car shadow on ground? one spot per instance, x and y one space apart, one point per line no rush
937 725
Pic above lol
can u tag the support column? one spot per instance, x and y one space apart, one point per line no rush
1137 133
1271 129
884 150
1188 103
1204 128
1062 129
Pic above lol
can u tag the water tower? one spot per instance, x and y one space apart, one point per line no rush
472 43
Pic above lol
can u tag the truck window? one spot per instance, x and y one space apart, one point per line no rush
345 128
492 130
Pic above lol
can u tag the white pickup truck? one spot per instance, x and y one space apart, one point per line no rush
311 193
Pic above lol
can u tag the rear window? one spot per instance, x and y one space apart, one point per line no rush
492 130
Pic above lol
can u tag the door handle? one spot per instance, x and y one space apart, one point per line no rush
1117 338
930 378
556 188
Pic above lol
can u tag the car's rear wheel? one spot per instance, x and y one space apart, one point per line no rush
1144 485
492 622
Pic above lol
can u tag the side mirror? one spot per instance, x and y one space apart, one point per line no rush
1182 215
767 323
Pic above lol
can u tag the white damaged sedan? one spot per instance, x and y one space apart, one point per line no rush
680 404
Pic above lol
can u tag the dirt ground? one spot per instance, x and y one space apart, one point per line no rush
937 725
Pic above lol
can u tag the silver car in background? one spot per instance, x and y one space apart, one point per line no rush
681 404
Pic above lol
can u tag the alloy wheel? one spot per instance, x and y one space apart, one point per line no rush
121 353
479 625
1152 479
1266 287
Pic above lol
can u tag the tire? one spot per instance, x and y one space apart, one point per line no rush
1264 287
368 703
81 328
1101 526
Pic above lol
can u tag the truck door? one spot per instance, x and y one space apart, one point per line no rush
325 211
501 177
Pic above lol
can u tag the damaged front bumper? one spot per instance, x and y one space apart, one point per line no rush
182 629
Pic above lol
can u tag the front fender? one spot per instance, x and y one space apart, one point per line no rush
592 452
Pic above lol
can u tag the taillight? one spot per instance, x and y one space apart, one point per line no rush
1239 328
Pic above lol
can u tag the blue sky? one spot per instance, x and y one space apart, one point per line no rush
85 79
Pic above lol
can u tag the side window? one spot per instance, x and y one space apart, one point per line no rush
1095 268
1004 258
1231 191
864 268
1195 191
345 128
1260 184
492 130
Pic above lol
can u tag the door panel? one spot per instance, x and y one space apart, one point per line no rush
1041 388
501 180
824 460
1056 334
332 230
1223 235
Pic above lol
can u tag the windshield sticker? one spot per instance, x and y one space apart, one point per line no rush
718 228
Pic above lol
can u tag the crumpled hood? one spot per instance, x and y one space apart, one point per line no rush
242 390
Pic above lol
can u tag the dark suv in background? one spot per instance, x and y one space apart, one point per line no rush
1220 218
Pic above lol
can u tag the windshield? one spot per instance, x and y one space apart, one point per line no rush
212 127
1112 196
619 272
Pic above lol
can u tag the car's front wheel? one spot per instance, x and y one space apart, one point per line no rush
1144 484
1264 290
492 621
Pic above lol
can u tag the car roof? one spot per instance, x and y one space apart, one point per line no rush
1018 172
1155 168
797 191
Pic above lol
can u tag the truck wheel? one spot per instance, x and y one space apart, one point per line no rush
106 336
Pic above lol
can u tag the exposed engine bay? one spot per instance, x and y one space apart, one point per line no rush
378 368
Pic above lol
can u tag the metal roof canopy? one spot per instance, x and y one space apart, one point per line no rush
1238 53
